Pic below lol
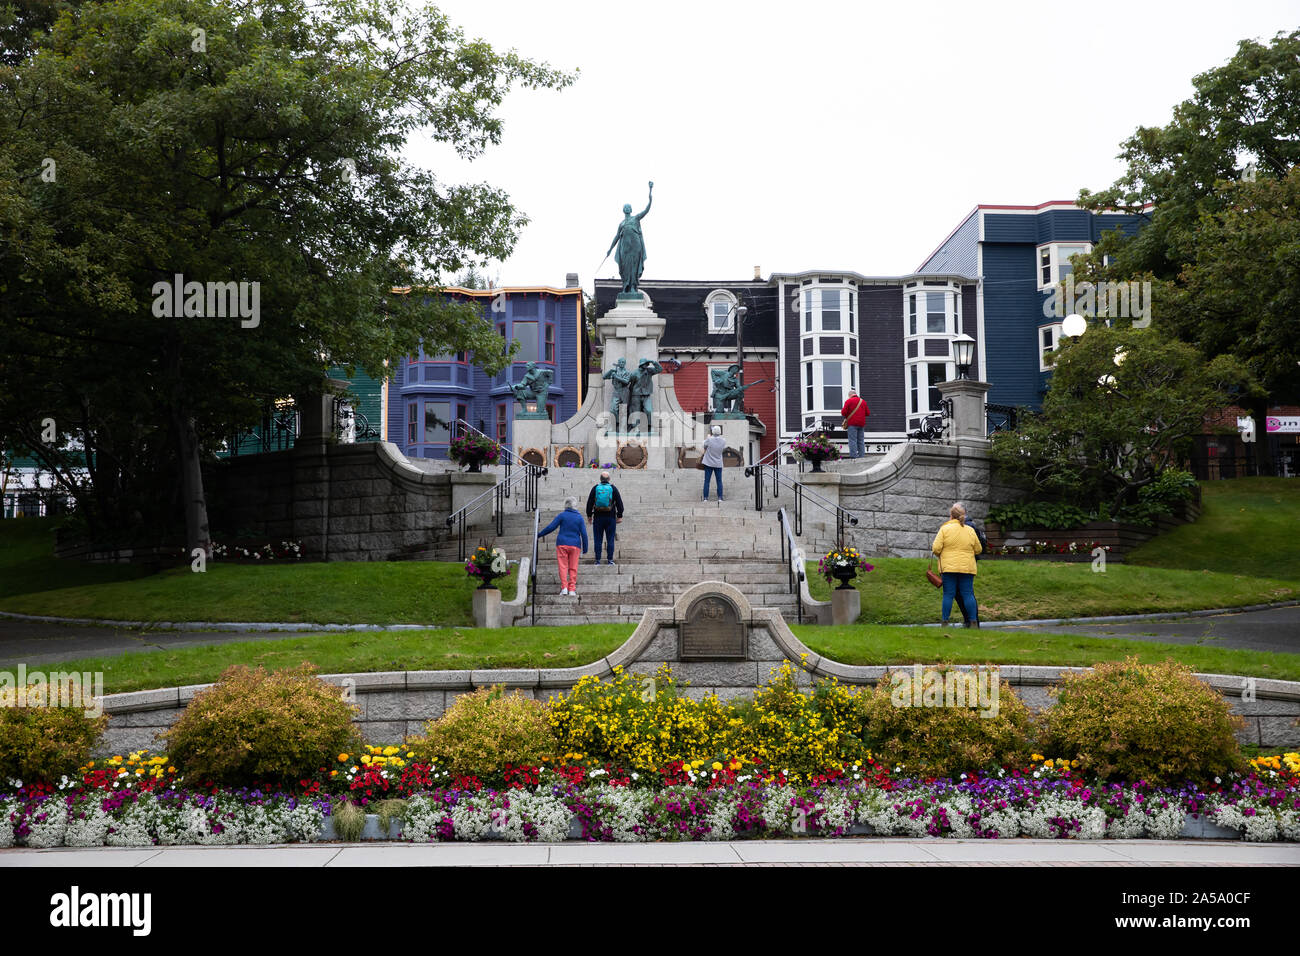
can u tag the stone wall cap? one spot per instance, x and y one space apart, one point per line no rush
439 680
161 699
556 677
508 678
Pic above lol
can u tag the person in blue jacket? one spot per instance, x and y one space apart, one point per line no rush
573 529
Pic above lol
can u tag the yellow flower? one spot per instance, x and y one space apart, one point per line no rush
716 765
343 758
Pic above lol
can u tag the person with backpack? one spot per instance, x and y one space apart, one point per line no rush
604 511
573 530
854 414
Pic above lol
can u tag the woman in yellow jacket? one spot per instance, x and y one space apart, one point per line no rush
956 545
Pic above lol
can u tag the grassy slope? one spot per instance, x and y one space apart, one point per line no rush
1242 550
896 591
28 565
375 592
1248 526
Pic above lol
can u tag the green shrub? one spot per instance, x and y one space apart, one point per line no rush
803 731
43 743
637 722
254 727
934 740
1133 721
1160 497
1038 514
482 732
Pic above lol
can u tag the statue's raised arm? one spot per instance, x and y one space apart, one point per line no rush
650 199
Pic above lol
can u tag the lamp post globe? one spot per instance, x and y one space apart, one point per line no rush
1074 325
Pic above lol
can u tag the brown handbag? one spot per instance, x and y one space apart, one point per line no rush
932 577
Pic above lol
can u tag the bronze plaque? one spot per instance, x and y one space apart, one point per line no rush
712 631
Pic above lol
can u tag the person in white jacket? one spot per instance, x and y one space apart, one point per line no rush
713 447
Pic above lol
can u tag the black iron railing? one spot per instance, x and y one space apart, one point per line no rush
1000 418
528 476
532 569
802 495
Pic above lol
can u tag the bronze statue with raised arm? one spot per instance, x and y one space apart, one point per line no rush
631 246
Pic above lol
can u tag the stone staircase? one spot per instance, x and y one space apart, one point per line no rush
669 539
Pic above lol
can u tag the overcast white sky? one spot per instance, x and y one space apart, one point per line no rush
820 134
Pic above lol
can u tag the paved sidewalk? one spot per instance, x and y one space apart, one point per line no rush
844 852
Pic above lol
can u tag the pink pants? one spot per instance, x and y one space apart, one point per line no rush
566 556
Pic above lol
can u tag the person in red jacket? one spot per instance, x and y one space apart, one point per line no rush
855 414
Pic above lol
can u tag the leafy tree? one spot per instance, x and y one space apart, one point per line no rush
1220 217
225 142
1121 409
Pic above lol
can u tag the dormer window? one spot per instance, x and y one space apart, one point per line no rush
720 307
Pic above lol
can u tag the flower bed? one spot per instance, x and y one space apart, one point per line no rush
116 806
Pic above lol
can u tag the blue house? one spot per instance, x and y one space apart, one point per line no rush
427 393
1018 254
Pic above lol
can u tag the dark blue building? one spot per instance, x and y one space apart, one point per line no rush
1018 254
428 393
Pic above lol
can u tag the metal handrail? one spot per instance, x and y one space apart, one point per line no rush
532 568
801 491
498 493
794 564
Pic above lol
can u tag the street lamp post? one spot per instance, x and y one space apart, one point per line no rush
740 340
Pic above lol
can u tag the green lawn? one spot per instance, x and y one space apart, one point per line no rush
361 592
27 562
896 592
895 645
470 648
1247 526
453 648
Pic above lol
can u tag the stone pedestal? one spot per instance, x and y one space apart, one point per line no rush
846 605
465 487
629 331
533 433
487 607
969 421
824 483
736 432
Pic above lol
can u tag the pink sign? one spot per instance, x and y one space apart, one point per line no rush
1283 425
